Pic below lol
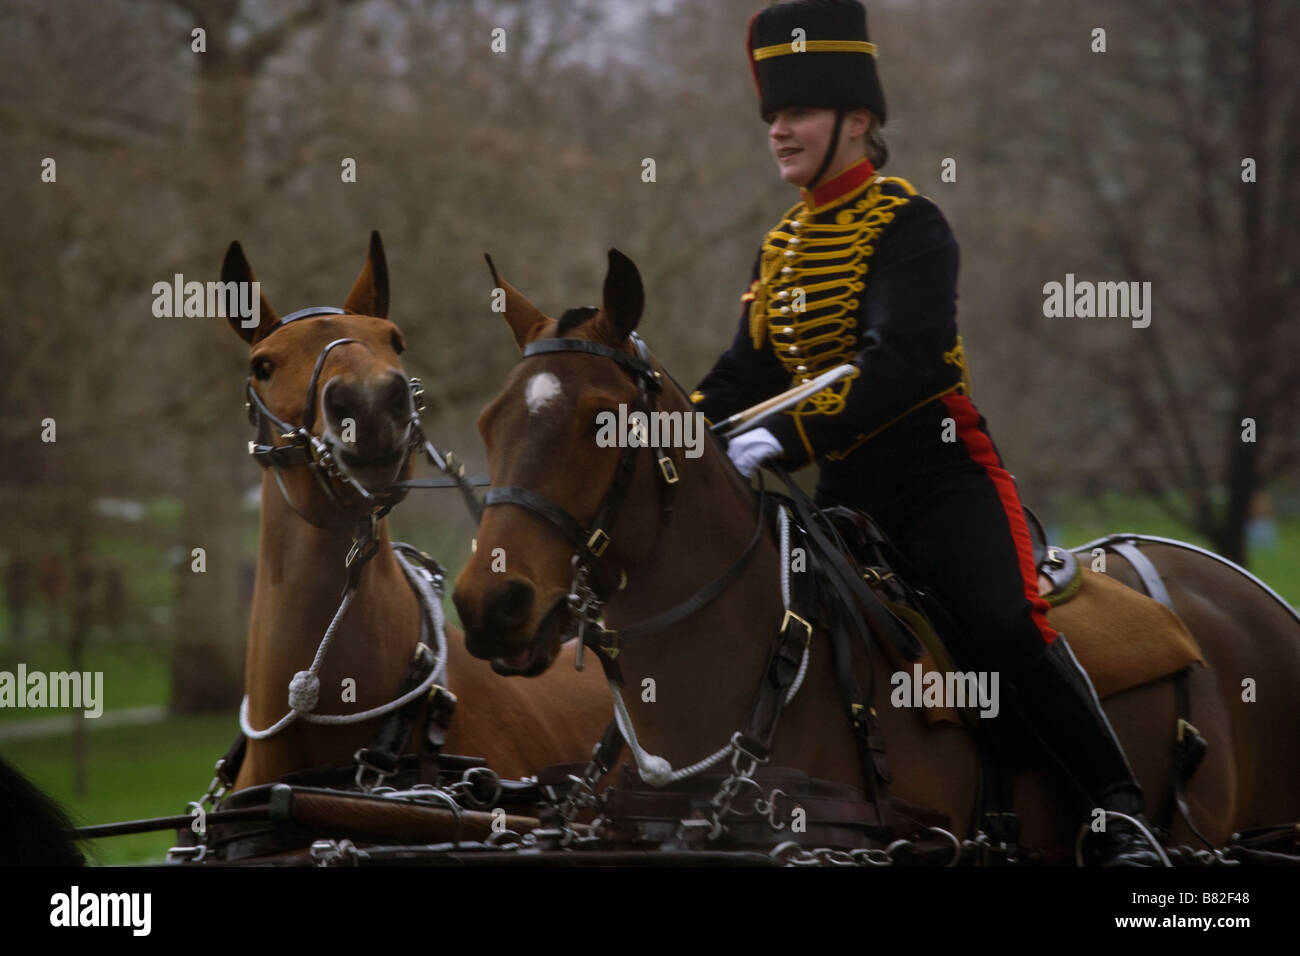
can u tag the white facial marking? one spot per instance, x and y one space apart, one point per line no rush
542 389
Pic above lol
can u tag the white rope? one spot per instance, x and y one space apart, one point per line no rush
304 688
785 599
657 771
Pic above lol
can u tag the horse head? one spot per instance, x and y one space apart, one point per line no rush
327 389
576 496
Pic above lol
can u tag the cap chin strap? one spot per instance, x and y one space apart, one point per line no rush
831 149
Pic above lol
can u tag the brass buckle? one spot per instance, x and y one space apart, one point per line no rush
791 616
1185 725
857 711
598 542
668 470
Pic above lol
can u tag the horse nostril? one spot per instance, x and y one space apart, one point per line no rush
336 400
509 605
399 397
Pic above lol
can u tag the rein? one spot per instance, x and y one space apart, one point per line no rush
786 667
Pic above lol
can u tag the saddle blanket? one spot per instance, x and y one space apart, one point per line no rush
1122 638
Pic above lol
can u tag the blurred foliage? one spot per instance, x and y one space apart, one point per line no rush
1117 165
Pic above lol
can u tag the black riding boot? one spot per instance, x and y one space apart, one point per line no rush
1062 709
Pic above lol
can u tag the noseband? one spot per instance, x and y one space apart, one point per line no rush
586 597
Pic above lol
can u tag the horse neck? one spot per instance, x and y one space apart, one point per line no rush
299 586
717 654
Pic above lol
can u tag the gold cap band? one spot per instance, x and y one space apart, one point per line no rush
815 46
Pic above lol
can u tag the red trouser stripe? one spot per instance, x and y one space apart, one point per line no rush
981 451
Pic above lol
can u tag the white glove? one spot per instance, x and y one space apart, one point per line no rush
750 449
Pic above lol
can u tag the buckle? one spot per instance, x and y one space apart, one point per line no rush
668 470
598 542
608 642
859 712
442 704
363 764
1185 725
791 616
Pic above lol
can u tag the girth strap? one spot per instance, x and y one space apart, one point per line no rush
1151 579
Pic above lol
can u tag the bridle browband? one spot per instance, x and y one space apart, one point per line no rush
587 596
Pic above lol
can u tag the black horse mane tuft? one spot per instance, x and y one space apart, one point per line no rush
34 830
573 318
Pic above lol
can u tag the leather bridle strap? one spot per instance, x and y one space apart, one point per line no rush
591 544
649 377
539 505
309 410
704 596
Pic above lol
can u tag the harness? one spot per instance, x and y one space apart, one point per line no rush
749 747
427 672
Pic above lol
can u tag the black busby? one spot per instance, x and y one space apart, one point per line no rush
831 64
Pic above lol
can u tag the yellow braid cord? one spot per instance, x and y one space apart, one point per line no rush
812 273
957 356
863 439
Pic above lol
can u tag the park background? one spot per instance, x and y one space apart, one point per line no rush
1123 165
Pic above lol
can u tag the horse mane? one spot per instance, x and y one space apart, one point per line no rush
34 829
573 318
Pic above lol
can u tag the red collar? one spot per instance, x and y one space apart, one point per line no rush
841 185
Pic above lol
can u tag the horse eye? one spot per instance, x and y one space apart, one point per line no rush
399 346
262 369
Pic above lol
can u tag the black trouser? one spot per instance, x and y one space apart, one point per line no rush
958 520
952 509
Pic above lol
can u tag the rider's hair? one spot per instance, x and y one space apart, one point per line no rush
877 149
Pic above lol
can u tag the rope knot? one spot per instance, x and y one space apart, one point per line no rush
304 692
656 771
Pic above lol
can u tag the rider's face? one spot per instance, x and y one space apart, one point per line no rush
798 137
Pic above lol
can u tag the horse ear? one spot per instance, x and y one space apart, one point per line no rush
369 295
526 320
235 268
624 295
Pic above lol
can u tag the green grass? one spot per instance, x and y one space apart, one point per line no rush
1076 523
134 772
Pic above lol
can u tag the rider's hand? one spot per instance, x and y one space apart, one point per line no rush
749 450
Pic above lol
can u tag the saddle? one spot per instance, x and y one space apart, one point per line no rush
1121 637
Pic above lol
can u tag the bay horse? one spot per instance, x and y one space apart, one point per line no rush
337 372
552 480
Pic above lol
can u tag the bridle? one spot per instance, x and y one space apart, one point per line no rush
306 449
587 594
424 575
